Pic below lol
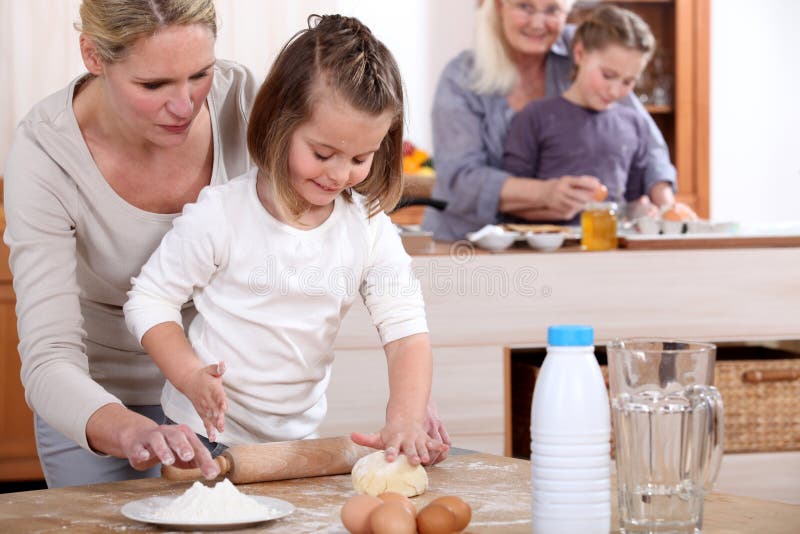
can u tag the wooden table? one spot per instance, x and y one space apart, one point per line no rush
498 488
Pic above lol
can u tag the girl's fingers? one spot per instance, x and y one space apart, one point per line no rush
444 435
367 440
391 453
217 369
422 449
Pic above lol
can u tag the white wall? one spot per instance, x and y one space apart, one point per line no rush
755 110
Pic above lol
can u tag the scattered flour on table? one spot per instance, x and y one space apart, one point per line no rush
221 503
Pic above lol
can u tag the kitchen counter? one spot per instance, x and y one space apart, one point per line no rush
479 305
497 488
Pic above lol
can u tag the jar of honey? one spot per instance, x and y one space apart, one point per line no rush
599 226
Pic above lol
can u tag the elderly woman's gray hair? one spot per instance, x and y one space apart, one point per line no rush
494 70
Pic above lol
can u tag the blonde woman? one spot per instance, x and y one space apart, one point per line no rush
96 174
522 53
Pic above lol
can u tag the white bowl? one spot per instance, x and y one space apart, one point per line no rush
647 225
545 242
672 227
494 241
700 226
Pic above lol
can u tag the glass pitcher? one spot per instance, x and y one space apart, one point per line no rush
668 432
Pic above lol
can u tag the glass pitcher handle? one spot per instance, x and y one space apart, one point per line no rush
716 435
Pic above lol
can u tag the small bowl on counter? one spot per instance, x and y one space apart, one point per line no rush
493 238
545 241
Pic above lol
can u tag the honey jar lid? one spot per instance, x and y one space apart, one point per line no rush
602 206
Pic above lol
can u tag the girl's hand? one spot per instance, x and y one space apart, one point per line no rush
410 439
642 207
435 430
203 386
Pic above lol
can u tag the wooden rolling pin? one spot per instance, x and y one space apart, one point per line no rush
282 460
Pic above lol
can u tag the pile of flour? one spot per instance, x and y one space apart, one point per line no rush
222 503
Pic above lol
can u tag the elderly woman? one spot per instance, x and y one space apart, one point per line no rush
522 53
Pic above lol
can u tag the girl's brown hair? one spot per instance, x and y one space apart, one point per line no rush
115 25
344 56
609 24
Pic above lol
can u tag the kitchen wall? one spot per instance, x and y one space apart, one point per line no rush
755 143
755 110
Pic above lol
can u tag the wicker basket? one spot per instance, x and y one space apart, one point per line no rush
762 404
760 390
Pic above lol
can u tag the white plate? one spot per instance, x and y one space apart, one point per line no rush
143 510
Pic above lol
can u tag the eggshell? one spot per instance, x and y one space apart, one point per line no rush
392 518
356 512
391 496
436 519
460 509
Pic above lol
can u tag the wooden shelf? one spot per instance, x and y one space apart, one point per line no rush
658 110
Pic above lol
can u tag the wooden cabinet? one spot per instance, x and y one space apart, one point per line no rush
681 64
18 460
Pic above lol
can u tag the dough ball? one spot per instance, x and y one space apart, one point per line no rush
373 475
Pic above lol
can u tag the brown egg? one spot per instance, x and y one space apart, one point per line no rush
678 212
355 513
392 518
601 193
391 496
460 509
436 519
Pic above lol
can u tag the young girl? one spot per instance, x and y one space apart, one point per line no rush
585 132
274 259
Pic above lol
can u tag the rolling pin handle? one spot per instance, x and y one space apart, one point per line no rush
170 472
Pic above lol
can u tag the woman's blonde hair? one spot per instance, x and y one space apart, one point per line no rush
342 56
114 25
494 71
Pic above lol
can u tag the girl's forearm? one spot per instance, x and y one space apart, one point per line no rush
410 363
166 343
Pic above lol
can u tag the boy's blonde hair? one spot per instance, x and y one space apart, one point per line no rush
612 25
342 55
494 71
115 25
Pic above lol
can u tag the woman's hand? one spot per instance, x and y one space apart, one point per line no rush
568 195
119 432
203 386
554 199
168 444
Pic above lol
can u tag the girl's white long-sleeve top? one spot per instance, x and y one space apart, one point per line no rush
270 300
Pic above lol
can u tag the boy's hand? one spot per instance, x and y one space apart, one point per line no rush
203 386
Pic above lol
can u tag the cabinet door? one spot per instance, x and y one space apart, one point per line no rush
18 460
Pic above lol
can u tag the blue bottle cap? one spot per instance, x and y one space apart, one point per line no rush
570 335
